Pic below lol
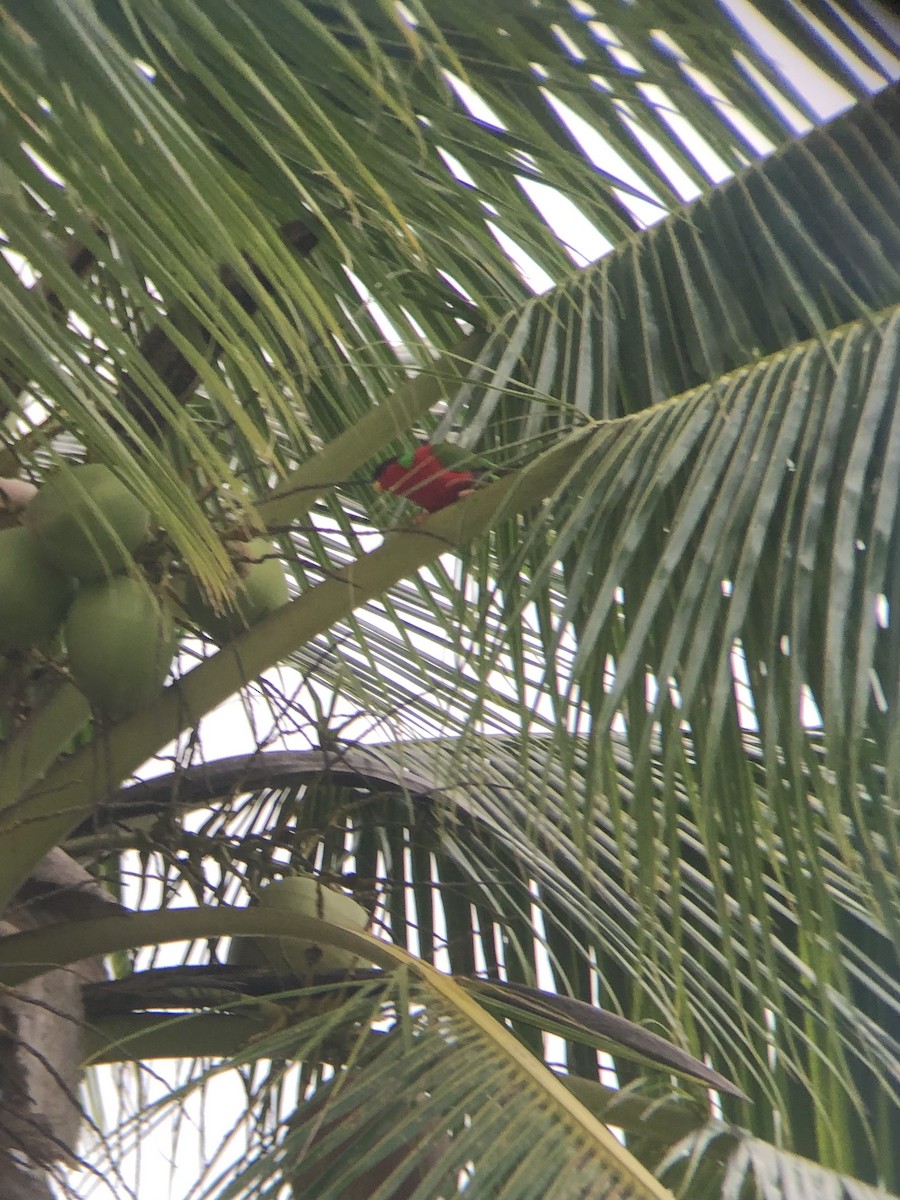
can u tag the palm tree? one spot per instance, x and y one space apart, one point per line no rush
608 749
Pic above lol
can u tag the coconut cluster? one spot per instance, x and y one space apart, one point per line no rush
68 566
63 569
262 589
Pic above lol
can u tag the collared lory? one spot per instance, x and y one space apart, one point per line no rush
431 476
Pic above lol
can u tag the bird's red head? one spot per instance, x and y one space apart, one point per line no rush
388 474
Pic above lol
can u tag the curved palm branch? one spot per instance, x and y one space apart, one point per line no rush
470 857
508 1073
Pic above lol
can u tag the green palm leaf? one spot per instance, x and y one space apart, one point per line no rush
635 702
590 1163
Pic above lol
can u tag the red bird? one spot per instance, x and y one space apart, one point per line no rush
427 477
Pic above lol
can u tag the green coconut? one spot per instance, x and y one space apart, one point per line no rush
262 589
87 522
120 642
303 896
34 595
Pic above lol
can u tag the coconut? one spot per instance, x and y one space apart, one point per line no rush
121 642
304 896
262 589
34 595
87 522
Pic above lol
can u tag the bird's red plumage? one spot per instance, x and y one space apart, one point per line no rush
427 482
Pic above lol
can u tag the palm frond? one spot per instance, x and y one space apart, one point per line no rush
641 691
458 861
476 1067
753 1168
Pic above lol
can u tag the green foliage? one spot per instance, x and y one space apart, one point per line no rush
622 723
